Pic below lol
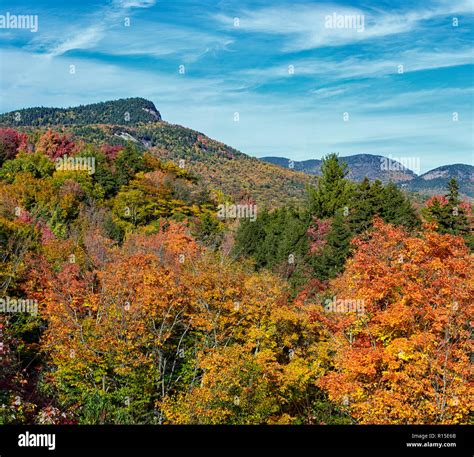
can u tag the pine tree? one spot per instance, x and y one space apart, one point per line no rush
449 213
332 190
366 201
333 256
458 220
129 162
397 209
250 238
361 207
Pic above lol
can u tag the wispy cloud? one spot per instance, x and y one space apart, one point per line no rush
298 113
304 25
112 30
87 39
327 92
134 3
336 68
182 42
88 31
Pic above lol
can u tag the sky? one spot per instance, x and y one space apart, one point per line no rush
295 79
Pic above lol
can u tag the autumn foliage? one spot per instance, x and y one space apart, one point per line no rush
406 359
175 333
11 142
152 310
55 145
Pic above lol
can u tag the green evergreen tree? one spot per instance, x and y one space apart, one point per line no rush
397 208
273 237
450 216
128 163
361 207
332 190
457 222
250 237
366 201
330 262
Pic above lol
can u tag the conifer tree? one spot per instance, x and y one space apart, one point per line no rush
332 190
361 207
457 221
397 209
331 260
450 214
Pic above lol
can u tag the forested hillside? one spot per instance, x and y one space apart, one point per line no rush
136 121
135 291
127 111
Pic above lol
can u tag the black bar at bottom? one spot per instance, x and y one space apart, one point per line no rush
19 439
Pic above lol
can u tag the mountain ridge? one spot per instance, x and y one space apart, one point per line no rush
124 111
138 120
370 165
358 165
435 181
221 167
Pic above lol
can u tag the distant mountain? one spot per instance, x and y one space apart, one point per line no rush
219 166
373 166
127 111
435 181
360 166
272 181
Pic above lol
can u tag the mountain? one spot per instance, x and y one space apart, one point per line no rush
360 166
435 181
127 111
373 166
219 166
271 181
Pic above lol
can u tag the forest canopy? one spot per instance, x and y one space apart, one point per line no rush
352 307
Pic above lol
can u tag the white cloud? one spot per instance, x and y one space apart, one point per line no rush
334 69
188 44
105 32
86 32
304 26
86 39
134 3
327 92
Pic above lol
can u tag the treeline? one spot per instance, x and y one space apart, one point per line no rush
315 241
129 111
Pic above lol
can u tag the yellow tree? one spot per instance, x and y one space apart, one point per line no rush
160 331
403 355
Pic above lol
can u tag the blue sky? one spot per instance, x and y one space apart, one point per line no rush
280 65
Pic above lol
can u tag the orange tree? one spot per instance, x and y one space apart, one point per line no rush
405 359
259 355
161 331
